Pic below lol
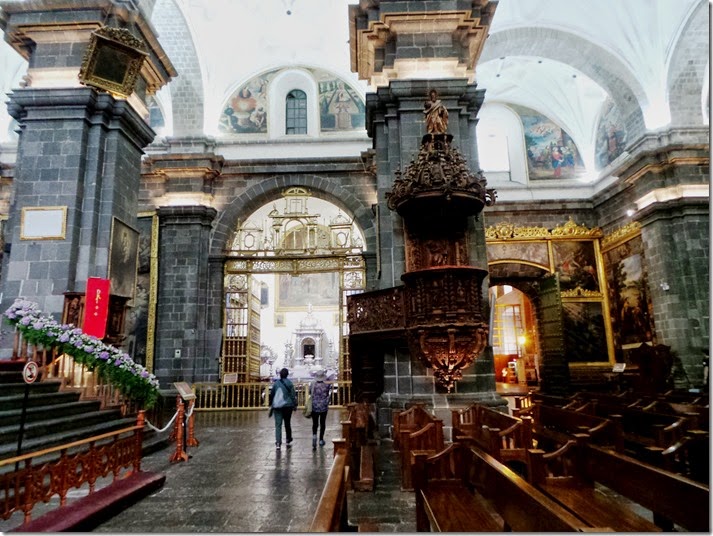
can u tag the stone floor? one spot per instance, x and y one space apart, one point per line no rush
236 481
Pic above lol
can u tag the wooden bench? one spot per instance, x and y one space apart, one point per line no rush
569 475
443 501
462 489
554 427
504 437
428 440
331 512
645 433
559 476
409 420
357 430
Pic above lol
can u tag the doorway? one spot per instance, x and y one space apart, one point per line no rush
515 340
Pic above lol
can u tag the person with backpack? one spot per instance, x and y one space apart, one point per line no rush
283 401
321 393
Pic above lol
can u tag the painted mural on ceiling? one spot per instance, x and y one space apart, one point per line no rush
611 135
551 152
246 112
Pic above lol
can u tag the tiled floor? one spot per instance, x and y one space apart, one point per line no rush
235 481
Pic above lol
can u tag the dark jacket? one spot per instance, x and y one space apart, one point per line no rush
288 390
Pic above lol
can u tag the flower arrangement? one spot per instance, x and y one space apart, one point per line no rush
113 365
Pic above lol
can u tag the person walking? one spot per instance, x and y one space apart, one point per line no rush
320 392
283 401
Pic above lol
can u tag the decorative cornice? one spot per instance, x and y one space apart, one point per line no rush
510 231
372 27
571 229
621 235
579 292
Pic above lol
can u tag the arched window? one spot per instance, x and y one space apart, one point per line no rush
296 112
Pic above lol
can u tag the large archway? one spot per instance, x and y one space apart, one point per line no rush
289 266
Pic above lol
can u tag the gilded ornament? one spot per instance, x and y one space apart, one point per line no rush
627 232
572 229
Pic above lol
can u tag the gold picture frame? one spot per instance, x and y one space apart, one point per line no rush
112 61
43 223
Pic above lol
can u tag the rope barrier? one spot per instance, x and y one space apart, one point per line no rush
165 427
190 412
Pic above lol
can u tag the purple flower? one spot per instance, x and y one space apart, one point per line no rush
25 320
104 355
64 337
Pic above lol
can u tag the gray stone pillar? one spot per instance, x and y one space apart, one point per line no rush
184 349
80 150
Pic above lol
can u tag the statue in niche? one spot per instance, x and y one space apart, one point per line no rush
438 252
436 114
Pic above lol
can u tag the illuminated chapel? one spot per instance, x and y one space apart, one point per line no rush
434 205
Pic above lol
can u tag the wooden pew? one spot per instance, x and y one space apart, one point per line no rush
689 457
504 437
644 432
409 420
559 476
554 427
428 440
569 474
443 501
331 512
501 501
357 430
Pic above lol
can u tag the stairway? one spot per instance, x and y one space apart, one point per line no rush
52 417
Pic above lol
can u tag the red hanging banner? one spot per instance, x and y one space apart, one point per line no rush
96 307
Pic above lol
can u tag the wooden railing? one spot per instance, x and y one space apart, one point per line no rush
66 467
73 376
217 396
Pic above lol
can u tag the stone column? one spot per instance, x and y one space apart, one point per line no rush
79 148
183 350
404 50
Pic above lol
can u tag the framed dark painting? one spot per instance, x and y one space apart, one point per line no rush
123 259
630 302
139 317
585 338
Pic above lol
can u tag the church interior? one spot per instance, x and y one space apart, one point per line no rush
484 222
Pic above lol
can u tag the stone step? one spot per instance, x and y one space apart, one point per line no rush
38 413
55 438
50 425
37 399
47 386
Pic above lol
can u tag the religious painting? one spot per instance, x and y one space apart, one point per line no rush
340 107
585 338
138 317
611 135
551 152
535 252
246 110
630 302
123 259
576 264
297 292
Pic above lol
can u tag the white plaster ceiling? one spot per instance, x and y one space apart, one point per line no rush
236 40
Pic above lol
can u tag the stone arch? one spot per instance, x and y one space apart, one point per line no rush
187 92
597 63
264 192
687 75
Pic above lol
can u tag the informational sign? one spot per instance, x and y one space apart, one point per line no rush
230 377
618 367
184 390
96 307
30 372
